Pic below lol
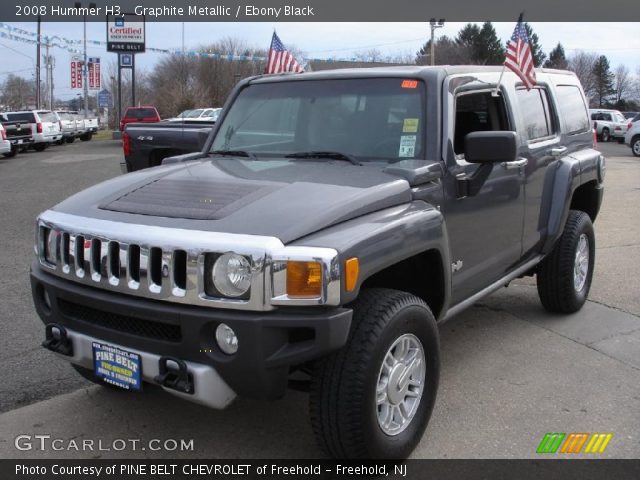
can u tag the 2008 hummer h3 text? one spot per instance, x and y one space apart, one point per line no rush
332 221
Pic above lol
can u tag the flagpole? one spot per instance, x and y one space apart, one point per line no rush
496 90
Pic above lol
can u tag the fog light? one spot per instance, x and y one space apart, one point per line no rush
227 339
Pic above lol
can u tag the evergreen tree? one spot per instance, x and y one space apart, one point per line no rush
482 43
536 49
603 80
557 58
489 49
468 36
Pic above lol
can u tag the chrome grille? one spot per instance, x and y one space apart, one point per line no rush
108 262
143 261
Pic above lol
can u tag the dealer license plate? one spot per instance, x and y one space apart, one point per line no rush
117 367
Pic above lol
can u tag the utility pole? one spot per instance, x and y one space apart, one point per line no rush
38 67
85 70
85 66
47 84
52 63
434 25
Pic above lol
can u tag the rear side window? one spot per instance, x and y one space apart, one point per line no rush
534 105
573 109
21 117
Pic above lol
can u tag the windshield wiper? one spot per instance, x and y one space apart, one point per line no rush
321 154
235 153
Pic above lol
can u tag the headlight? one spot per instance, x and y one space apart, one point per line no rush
231 275
51 246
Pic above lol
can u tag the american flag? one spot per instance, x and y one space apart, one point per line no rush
280 59
519 58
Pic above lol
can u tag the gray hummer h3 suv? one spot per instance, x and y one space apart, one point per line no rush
331 222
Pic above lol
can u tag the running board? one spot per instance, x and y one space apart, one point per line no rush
503 282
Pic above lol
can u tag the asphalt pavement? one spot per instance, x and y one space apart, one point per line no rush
511 372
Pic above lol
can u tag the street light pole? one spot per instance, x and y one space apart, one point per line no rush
434 25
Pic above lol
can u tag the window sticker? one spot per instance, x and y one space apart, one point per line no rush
410 125
407 146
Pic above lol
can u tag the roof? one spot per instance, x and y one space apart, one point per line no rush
397 71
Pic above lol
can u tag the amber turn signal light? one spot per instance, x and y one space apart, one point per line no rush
304 279
351 271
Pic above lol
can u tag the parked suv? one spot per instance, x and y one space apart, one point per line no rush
139 114
632 137
45 126
17 134
5 144
70 128
330 223
609 124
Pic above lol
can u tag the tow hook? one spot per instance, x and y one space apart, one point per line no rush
175 378
57 340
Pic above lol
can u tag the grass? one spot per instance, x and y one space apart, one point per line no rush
102 135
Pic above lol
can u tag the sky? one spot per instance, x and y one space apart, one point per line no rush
620 42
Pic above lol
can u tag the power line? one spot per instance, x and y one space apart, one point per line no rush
17 51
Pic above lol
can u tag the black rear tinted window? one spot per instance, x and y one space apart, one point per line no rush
140 113
21 117
573 108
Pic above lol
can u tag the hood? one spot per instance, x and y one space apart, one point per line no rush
287 199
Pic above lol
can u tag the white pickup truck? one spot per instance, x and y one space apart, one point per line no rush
609 124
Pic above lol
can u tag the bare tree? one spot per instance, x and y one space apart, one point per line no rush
622 82
17 92
582 63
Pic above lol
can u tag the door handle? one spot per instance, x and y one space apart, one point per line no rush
557 151
520 162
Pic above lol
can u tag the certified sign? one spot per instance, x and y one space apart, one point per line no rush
125 33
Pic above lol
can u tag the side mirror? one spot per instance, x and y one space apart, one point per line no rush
490 147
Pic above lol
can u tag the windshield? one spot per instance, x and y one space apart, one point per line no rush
369 119
191 113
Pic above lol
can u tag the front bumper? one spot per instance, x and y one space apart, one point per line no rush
270 343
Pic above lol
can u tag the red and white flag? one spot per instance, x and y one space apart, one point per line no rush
519 58
280 59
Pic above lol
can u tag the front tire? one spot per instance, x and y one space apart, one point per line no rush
564 276
373 398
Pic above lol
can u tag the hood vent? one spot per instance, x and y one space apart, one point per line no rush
188 198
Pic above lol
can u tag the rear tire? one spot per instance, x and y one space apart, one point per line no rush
635 146
605 136
71 139
564 276
373 398
40 147
85 137
12 153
